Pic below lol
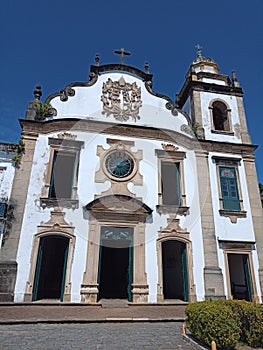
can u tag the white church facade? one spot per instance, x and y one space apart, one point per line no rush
122 193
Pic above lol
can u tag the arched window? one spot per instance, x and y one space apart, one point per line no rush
220 116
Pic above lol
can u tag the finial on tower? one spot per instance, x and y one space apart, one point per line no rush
199 52
122 52
31 111
37 92
235 82
146 67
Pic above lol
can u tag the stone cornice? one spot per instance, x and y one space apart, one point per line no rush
97 70
198 85
115 206
72 124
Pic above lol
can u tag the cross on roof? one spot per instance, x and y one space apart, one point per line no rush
122 53
198 47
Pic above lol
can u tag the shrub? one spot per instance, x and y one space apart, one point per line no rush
251 317
214 320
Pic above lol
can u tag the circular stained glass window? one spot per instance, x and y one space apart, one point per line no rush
119 164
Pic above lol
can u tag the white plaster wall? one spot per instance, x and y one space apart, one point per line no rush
192 223
255 268
214 81
206 98
83 105
187 107
204 68
89 164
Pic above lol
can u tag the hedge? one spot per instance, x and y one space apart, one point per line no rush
226 322
251 317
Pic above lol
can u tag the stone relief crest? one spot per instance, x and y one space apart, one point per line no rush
121 99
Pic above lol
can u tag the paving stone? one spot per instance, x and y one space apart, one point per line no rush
92 336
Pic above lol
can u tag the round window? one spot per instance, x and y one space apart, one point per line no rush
119 164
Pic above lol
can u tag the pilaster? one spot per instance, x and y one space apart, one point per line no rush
256 211
245 137
140 288
8 253
196 110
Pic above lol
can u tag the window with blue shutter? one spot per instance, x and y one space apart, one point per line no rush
3 208
229 189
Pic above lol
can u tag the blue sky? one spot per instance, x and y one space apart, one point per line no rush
53 43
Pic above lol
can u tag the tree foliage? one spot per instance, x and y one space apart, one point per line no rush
43 110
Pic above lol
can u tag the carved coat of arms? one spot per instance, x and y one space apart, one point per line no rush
121 99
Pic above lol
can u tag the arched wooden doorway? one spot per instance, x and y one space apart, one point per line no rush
50 272
174 270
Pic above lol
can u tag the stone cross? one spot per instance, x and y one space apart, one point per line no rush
122 53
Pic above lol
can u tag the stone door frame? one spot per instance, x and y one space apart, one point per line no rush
56 226
116 211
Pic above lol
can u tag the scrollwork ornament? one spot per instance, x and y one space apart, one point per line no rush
64 94
169 105
187 129
53 112
92 76
174 111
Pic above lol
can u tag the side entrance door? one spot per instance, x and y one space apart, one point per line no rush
51 267
240 276
175 272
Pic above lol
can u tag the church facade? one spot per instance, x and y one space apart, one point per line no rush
122 193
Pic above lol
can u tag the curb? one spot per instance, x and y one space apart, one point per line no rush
190 340
88 320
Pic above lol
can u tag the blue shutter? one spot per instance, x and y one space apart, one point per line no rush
64 272
247 276
37 272
184 271
3 208
52 193
130 272
229 188
178 184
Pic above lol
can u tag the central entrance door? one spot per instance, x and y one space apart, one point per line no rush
115 273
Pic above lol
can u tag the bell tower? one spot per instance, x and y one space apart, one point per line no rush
214 102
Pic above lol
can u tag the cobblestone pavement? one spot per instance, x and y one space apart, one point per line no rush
91 336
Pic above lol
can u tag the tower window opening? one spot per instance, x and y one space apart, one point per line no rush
220 116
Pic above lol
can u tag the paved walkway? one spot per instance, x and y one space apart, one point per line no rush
91 336
112 325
